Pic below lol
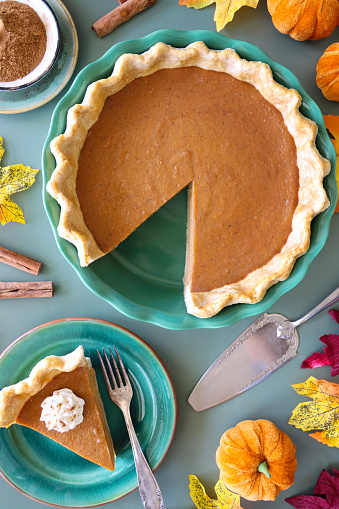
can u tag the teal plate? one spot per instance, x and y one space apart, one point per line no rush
49 473
142 277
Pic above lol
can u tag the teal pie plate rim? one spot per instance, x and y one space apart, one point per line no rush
142 277
47 472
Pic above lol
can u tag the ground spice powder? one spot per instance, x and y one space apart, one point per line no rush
22 40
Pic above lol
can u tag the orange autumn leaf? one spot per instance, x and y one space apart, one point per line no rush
13 179
321 415
320 437
332 125
224 9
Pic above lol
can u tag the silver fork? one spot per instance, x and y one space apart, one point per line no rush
121 395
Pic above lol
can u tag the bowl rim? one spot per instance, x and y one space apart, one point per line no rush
11 85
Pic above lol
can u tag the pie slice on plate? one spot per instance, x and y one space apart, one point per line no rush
212 121
60 399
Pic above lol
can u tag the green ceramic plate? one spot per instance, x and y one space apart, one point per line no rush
142 278
48 472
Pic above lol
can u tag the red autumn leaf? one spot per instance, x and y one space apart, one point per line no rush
308 502
328 485
334 314
330 355
316 360
326 494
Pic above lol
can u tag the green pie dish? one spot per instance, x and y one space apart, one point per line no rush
142 277
44 470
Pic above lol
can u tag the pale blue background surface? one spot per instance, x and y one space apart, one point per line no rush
186 354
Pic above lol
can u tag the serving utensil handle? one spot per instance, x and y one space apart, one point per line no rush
327 302
148 487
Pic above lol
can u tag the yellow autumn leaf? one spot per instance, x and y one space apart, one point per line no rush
13 179
224 9
332 124
321 414
226 499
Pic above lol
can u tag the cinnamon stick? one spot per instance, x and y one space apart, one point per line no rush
12 290
20 261
120 14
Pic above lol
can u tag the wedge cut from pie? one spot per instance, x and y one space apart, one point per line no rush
171 118
21 404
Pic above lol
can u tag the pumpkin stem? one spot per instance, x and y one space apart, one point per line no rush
263 468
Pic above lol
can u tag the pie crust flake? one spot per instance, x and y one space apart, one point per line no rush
312 167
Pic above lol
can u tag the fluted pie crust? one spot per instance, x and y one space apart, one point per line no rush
21 404
312 168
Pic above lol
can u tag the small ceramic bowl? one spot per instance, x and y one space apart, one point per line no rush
50 22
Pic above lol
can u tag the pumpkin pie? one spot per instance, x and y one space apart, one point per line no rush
25 403
212 121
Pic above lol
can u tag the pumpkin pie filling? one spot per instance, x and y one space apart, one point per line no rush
88 436
157 135
212 121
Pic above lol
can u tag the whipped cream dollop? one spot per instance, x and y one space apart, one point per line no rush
62 411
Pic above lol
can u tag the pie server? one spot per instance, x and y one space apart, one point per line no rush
261 349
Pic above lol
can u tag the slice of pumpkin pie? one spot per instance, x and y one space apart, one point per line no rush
176 117
60 399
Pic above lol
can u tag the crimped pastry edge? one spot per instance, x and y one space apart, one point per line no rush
312 166
13 397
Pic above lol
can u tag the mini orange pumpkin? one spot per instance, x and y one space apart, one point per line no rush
328 72
306 19
256 460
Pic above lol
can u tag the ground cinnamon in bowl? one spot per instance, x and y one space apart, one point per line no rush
22 40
